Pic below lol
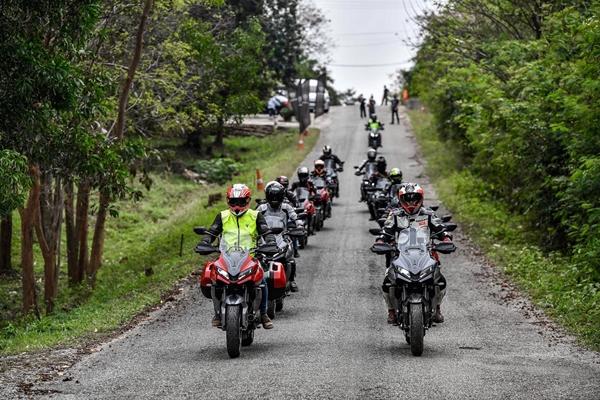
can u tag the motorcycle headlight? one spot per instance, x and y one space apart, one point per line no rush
426 271
223 273
245 273
372 134
404 272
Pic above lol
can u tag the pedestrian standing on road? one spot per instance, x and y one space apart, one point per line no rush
395 104
386 92
372 103
273 106
363 109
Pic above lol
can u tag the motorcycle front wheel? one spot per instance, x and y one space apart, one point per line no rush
233 331
416 329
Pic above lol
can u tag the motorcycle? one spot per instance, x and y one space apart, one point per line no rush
275 263
321 200
414 278
307 206
374 137
378 197
331 171
235 278
366 184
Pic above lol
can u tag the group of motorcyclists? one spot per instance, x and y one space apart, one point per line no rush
306 203
282 201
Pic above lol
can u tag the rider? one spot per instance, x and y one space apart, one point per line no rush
320 171
371 159
275 206
239 217
395 177
380 172
289 195
374 124
303 180
328 155
411 213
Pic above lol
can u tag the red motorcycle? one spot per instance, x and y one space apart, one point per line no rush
235 278
321 200
306 205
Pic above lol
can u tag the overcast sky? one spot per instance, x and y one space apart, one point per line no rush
371 32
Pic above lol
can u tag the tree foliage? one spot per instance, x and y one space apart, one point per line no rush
515 85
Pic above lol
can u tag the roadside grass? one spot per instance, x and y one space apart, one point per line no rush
147 234
565 290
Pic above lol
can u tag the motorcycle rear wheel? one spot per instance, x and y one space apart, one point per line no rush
271 308
416 329
279 305
233 331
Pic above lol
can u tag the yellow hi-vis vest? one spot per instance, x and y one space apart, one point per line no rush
374 125
239 231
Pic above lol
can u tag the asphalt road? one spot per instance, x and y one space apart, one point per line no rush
331 340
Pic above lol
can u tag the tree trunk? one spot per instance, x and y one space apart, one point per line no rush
71 234
220 128
98 240
47 228
6 245
81 229
139 42
28 215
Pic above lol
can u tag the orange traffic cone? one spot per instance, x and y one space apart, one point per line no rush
259 182
306 132
422 108
301 142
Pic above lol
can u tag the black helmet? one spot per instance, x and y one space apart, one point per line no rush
374 117
284 181
327 150
381 164
371 154
303 174
275 193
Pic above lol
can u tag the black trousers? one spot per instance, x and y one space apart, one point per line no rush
395 112
363 111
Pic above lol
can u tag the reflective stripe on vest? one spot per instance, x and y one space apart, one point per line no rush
239 231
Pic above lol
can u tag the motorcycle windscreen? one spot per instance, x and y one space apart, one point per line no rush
319 183
413 253
276 222
369 169
235 249
330 167
301 194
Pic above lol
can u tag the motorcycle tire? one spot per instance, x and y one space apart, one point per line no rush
279 305
416 329
233 331
271 308
302 242
318 222
247 337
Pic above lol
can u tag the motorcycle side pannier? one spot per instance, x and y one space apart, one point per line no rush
277 282
205 280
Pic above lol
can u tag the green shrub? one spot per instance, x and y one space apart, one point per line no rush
217 170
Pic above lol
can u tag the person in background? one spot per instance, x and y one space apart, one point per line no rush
372 104
272 106
363 109
386 92
395 104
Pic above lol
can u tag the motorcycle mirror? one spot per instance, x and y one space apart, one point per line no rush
375 231
450 227
446 218
301 200
268 249
205 249
444 247
302 215
200 230
299 210
381 210
382 248
340 170
276 230
356 167
260 201
434 208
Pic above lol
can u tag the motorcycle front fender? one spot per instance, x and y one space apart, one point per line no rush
234 299
415 298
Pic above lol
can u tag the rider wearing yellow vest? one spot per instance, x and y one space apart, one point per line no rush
374 123
240 226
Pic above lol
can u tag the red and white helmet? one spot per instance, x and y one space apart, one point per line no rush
238 199
410 197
